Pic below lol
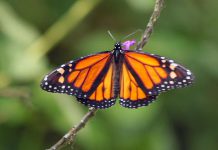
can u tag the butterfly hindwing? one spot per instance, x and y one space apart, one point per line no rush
86 78
103 96
131 94
152 74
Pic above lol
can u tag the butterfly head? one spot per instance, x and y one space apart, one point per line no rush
117 46
124 46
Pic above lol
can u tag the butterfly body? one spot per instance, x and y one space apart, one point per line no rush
137 78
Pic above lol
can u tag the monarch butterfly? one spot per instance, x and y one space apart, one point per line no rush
136 77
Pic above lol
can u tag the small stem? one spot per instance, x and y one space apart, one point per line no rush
70 136
149 28
17 93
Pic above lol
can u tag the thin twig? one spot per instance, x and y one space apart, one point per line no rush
149 28
18 93
70 136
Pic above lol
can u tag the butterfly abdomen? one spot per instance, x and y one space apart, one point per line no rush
116 80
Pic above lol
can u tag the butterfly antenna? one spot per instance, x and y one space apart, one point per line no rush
111 35
138 30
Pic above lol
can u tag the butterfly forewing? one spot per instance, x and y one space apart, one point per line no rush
103 96
88 78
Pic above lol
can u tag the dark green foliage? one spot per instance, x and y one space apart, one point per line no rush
182 119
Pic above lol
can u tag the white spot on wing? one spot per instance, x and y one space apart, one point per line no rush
188 77
189 73
46 78
163 61
171 82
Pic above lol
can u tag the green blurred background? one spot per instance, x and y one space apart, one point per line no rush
38 35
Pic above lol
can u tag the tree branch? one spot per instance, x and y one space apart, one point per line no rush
69 137
149 28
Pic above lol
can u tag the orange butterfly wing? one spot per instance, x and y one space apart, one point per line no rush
103 96
88 78
131 94
144 76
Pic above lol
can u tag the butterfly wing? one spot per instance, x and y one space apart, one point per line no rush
132 94
149 75
88 78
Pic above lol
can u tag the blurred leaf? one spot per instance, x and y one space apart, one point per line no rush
18 32
141 5
12 112
59 109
